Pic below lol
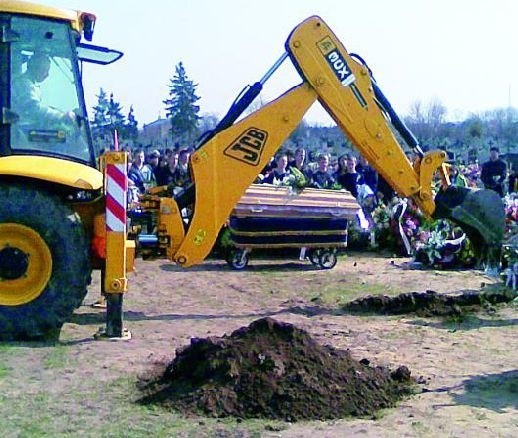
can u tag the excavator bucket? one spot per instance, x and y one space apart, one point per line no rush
480 213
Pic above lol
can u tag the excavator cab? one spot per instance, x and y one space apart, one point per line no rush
47 112
51 190
43 108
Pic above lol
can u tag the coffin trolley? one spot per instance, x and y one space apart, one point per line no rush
270 216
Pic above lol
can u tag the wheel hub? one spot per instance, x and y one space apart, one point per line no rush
25 264
13 263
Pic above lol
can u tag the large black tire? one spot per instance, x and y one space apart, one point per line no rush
64 286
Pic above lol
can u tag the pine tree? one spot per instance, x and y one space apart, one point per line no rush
131 128
117 119
100 123
107 117
181 108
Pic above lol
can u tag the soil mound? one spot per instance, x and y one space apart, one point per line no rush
273 370
428 303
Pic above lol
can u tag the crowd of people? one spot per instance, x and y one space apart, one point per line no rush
350 172
394 222
170 168
347 172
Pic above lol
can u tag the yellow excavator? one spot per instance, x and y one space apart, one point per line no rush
63 214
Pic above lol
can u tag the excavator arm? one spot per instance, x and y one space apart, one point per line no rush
346 90
229 162
229 158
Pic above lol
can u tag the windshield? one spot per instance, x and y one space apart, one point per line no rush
46 92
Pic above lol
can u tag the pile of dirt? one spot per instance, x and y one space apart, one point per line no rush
273 370
429 303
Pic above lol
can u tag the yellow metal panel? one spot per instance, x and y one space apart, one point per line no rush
22 7
54 170
428 166
345 89
130 256
23 290
228 163
171 224
116 252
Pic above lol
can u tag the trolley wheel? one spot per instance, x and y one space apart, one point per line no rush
314 256
327 259
238 259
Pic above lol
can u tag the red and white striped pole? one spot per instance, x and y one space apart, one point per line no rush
115 280
116 191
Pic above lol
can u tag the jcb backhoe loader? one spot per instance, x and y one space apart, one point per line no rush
61 216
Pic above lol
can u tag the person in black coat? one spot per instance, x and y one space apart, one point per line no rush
347 176
494 172
321 178
370 176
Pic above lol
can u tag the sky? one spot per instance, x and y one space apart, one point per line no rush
462 53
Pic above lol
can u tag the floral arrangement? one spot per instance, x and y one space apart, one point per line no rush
472 173
297 180
511 217
402 228
444 246
510 248
382 235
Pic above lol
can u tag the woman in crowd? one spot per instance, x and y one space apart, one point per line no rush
347 176
280 175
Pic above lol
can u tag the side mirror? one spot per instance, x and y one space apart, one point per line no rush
97 54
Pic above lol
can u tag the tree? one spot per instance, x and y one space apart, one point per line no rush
181 108
107 118
117 119
131 128
207 122
427 121
100 122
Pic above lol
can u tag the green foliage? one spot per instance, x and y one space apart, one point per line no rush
509 255
4 370
475 128
57 358
181 107
298 180
225 241
107 118
115 116
131 130
100 111
100 125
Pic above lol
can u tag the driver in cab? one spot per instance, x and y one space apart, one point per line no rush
27 94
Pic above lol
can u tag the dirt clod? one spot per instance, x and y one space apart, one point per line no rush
428 303
275 370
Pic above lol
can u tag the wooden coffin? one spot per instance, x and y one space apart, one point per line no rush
273 216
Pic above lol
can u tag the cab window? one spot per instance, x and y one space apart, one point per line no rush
45 91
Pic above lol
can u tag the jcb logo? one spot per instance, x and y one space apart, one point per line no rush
336 61
248 146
